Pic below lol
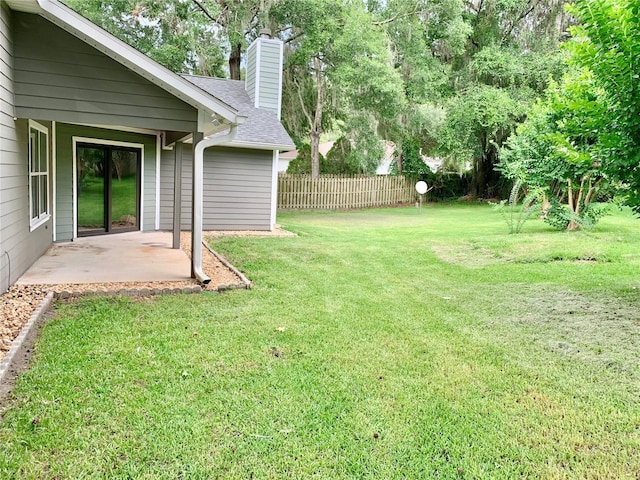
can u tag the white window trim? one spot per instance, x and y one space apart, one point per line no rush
34 223
100 141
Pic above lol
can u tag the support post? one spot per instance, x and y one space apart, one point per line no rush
177 194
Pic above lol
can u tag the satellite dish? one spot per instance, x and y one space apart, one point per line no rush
421 187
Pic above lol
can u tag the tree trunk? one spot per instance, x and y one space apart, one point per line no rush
234 62
315 154
399 160
546 206
400 157
316 128
478 182
484 178
573 225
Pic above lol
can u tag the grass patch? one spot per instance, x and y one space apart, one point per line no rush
364 351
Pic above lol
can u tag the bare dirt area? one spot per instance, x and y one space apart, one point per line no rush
598 330
464 255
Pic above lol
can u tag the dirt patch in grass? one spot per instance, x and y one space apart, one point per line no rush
597 330
475 254
465 255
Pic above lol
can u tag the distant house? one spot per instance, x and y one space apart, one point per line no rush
386 164
287 157
384 167
97 138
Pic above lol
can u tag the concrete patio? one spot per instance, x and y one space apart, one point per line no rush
123 257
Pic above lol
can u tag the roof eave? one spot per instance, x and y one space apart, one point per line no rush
260 146
74 23
217 126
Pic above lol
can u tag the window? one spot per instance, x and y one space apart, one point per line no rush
38 174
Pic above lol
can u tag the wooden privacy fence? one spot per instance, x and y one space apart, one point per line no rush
331 192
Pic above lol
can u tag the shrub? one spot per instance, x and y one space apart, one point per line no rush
302 163
516 213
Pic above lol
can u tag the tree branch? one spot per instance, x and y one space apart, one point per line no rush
396 17
304 109
295 37
521 17
570 194
580 192
207 14
592 190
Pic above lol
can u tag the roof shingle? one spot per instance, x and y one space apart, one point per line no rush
261 129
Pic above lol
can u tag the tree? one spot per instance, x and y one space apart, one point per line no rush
422 35
191 36
607 43
175 33
240 21
338 69
557 150
506 64
584 136
454 54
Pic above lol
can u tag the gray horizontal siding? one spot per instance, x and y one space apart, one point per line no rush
64 183
237 189
270 71
19 247
59 77
264 70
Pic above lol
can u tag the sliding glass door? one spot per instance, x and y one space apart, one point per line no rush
108 189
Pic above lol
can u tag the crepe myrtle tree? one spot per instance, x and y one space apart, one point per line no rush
558 151
607 43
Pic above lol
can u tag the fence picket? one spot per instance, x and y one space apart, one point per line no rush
332 192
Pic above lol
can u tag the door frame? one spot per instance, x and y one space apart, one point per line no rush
106 143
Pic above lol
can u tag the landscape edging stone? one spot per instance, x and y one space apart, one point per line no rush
16 345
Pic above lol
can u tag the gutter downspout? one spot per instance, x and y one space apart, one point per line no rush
198 181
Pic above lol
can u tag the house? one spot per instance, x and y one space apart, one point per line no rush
96 138
285 159
384 165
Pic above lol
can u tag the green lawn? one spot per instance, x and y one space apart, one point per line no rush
388 343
